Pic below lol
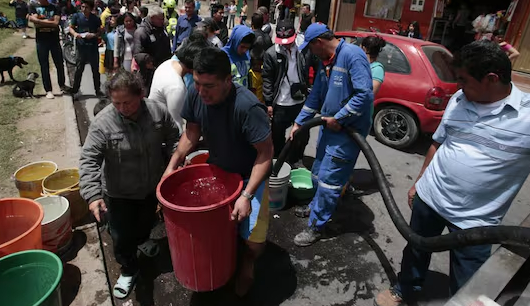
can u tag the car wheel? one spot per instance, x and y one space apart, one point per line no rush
395 127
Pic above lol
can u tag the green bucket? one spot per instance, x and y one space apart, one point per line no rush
31 278
301 187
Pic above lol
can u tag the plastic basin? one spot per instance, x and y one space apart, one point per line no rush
31 278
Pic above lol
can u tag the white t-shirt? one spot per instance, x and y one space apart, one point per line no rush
284 97
168 87
214 40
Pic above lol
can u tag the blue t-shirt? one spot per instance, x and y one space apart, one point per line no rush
83 24
378 71
230 128
109 40
184 28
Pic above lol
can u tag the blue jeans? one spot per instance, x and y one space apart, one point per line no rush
44 48
415 263
329 174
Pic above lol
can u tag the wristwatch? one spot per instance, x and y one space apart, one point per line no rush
247 195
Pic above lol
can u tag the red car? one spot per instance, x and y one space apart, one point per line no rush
418 84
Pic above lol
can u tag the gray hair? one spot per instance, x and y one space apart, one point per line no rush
154 11
263 10
124 80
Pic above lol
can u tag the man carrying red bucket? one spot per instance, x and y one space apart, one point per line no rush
236 127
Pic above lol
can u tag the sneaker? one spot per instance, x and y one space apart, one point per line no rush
49 95
388 297
24 36
302 211
307 237
100 94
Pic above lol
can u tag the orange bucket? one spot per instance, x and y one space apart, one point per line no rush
20 225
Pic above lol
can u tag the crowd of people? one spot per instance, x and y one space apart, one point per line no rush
175 79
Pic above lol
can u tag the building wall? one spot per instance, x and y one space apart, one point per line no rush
518 24
361 22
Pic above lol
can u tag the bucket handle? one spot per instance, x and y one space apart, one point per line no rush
57 192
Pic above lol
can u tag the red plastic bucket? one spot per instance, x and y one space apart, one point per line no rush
197 202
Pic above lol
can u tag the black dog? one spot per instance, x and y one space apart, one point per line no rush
8 63
25 88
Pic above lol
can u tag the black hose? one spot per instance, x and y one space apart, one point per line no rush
508 235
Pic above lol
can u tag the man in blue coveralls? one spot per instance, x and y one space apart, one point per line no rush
342 94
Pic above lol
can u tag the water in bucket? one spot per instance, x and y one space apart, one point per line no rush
200 192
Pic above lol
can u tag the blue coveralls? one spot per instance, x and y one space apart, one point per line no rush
346 95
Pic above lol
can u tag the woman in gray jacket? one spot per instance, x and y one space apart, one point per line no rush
124 41
135 138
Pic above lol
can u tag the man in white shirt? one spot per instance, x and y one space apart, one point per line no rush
285 81
474 169
168 86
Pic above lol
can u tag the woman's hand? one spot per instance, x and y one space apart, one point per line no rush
96 207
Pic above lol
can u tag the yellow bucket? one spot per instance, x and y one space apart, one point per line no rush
65 182
28 179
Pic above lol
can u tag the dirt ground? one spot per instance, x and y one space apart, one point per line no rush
41 131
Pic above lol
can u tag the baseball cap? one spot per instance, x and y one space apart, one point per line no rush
312 32
285 33
208 23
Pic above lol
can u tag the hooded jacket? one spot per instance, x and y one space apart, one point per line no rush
240 63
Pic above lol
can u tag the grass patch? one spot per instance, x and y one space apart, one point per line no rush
9 11
11 111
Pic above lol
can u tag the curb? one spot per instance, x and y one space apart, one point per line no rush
73 141
94 288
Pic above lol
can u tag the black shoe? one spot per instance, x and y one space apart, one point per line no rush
65 89
100 94
70 91
302 211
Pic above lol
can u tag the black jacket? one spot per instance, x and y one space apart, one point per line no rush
275 63
223 32
153 41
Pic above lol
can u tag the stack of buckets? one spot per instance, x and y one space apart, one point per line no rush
40 219
28 275
57 192
278 187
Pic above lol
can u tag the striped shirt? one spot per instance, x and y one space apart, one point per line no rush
482 162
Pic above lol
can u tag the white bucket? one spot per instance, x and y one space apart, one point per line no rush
278 187
56 224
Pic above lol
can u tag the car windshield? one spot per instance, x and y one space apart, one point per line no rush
441 60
